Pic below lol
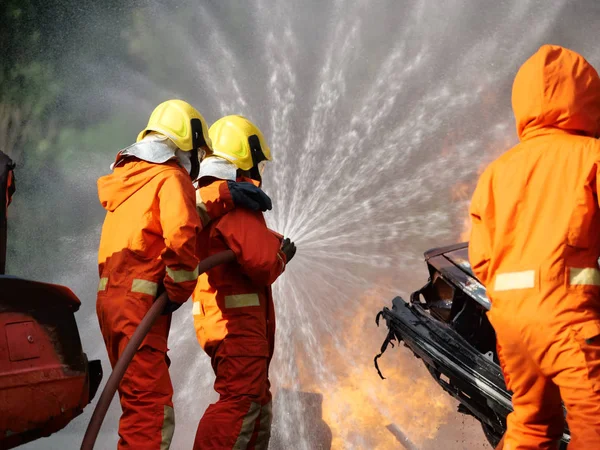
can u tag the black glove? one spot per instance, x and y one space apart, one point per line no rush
171 307
288 248
246 195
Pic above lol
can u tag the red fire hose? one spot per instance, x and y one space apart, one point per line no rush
110 388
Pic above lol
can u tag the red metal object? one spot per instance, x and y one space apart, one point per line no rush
45 378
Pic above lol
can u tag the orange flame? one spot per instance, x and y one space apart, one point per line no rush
360 406
461 193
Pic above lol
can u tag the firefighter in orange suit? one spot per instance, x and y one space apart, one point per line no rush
148 244
233 307
535 244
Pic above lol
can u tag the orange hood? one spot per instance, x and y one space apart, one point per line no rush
126 180
556 89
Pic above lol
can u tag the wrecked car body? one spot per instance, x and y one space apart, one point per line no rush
445 325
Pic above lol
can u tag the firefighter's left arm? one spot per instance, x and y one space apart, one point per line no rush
482 227
213 201
180 225
221 196
257 249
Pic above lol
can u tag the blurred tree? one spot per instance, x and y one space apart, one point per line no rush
47 130
41 43
28 87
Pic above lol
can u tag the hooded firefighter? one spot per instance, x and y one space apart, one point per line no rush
535 245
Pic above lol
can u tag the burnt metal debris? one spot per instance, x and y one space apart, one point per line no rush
445 326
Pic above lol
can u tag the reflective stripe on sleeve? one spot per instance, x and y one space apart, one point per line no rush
196 309
181 276
584 276
102 284
515 280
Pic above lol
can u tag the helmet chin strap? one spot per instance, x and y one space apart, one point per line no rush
195 164
257 157
198 141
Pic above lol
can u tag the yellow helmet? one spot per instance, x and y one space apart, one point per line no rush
180 122
239 141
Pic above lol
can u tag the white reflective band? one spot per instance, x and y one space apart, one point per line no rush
247 429
584 276
264 430
241 300
196 309
168 427
515 280
144 287
181 276
102 284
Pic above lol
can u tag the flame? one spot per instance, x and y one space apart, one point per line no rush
461 193
360 407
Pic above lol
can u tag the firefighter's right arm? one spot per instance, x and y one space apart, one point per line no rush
180 225
257 250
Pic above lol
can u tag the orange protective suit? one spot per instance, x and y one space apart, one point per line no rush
535 244
148 241
234 319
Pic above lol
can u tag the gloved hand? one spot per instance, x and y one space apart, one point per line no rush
171 307
289 249
246 195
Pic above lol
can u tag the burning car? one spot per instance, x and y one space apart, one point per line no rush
445 325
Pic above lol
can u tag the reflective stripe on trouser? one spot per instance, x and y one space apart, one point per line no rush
146 393
241 418
235 423
526 279
540 369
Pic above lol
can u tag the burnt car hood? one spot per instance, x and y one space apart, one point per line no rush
452 262
471 376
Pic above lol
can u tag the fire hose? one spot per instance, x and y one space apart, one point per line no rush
138 336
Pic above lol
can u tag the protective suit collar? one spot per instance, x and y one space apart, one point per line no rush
155 148
216 167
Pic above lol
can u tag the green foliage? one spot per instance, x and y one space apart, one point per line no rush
42 44
97 145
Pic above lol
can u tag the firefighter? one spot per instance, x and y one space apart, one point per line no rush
535 244
233 307
148 244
